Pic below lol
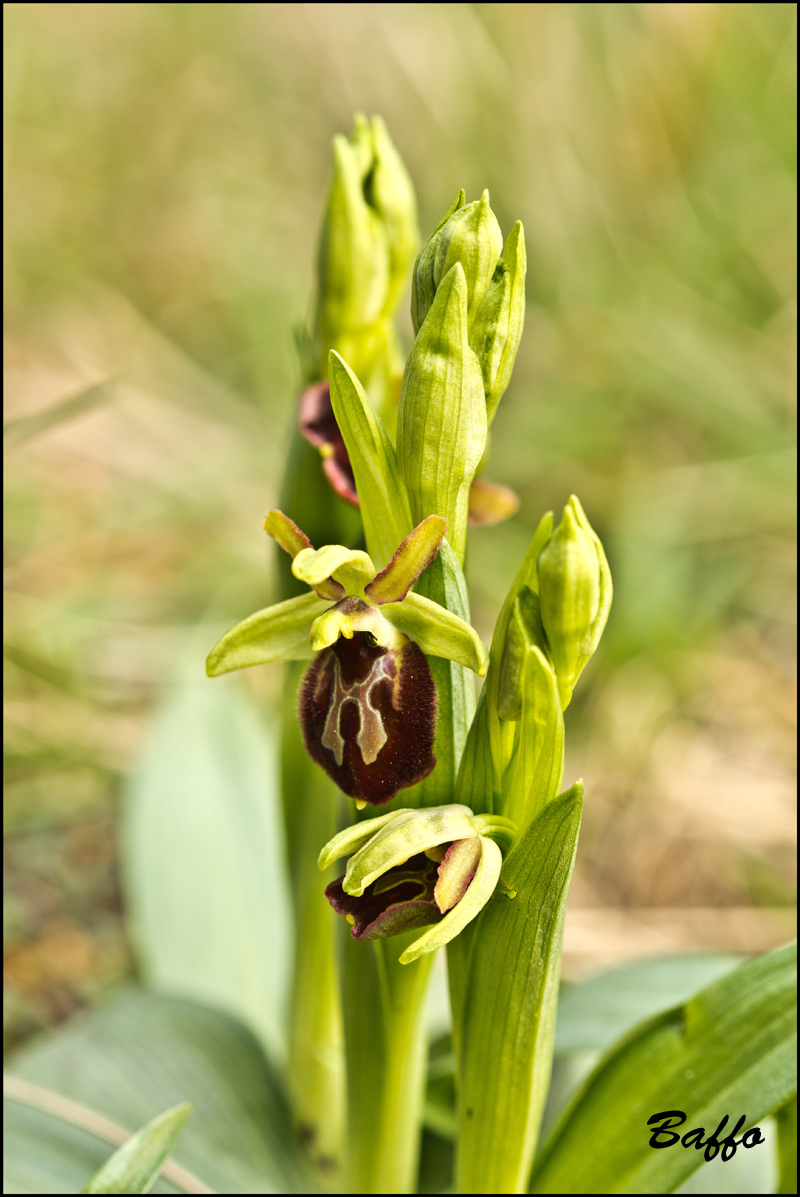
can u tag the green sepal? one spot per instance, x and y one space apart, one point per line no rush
379 483
497 828
134 1167
441 421
278 633
477 894
351 568
405 836
352 838
414 554
438 632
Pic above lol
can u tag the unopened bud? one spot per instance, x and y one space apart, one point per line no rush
496 331
470 235
574 595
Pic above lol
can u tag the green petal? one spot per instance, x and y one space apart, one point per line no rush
349 567
381 493
404 837
414 554
278 633
352 838
291 538
478 894
438 632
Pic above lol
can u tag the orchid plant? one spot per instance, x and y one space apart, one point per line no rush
474 846
479 838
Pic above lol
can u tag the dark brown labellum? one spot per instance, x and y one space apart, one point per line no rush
368 716
400 900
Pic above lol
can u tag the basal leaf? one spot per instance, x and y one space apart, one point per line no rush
202 858
729 1051
134 1167
130 1059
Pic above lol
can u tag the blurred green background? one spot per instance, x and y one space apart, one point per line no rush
165 168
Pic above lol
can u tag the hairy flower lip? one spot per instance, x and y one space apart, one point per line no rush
368 702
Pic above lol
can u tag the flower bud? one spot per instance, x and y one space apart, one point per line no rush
574 595
369 235
415 868
470 235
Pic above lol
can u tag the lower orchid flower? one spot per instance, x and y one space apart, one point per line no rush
368 702
412 868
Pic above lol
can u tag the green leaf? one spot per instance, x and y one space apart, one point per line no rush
278 633
536 770
133 1168
379 483
130 1059
438 632
203 863
593 1014
504 973
787 1147
491 740
729 1051
441 421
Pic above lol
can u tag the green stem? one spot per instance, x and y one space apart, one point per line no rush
385 1040
316 1060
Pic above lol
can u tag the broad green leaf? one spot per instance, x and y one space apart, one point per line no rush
787 1147
504 974
729 1051
593 1014
382 495
753 1171
441 421
278 633
438 632
134 1167
131 1058
203 863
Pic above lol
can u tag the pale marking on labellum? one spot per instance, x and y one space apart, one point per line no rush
371 733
